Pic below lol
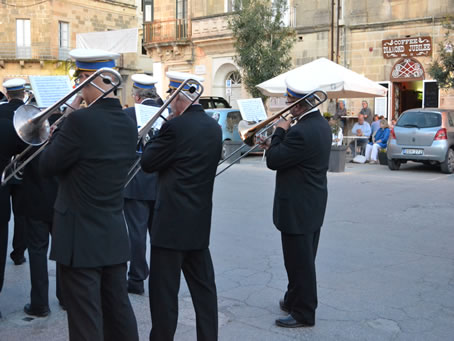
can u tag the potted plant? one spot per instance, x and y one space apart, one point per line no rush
338 150
382 158
327 115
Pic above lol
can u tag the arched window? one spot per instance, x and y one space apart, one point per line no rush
235 78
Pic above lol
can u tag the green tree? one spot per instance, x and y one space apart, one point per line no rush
442 69
262 41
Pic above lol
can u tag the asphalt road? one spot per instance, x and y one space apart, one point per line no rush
385 265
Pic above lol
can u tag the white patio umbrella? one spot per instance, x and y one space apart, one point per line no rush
323 74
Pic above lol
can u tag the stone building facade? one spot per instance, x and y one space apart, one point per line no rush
193 36
36 36
362 37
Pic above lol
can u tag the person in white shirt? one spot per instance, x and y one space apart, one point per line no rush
361 128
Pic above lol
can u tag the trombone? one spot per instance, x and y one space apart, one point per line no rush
32 127
195 91
249 131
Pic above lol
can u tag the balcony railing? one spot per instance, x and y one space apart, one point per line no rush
162 31
35 51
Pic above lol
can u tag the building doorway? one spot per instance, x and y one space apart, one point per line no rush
411 94
407 77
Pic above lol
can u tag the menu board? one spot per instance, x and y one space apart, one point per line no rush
431 95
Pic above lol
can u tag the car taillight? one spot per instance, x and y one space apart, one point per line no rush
441 134
393 136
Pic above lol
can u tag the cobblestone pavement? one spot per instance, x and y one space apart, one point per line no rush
385 264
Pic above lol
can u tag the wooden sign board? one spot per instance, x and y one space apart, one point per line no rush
407 47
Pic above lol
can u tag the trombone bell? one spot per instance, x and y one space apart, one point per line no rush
33 132
247 132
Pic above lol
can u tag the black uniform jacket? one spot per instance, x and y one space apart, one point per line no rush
10 145
7 110
40 191
144 185
186 153
91 154
300 156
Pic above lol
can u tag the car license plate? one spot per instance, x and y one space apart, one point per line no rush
413 151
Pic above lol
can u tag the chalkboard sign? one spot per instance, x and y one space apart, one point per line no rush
430 95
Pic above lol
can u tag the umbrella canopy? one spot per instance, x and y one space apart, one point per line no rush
336 80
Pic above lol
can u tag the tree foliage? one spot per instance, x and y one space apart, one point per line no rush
442 69
262 41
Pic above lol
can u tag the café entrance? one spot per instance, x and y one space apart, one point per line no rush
410 89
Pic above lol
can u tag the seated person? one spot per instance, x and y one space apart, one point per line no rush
375 124
393 123
361 128
380 140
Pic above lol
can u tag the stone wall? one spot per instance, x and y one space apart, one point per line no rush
202 8
82 15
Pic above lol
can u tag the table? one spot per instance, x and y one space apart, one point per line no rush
355 138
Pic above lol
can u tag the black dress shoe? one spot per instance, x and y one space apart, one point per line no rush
40 312
290 322
19 261
283 306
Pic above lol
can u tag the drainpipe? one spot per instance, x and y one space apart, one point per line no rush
332 30
338 33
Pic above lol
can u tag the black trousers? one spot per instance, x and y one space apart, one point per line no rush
299 258
97 304
4 246
19 238
164 284
138 215
3 250
37 235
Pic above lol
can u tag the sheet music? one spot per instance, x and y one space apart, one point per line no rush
145 113
50 89
252 109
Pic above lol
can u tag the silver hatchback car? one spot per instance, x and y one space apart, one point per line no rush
423 135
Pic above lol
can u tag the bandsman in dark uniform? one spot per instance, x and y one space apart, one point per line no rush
10 144
185 153
39 201
140 194
300 156
91 154
15 93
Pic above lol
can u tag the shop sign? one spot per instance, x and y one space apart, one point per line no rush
407 47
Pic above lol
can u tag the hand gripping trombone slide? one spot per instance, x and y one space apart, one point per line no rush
249 131
195 91
33 128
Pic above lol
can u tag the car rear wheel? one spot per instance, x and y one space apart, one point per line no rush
447 166
393 164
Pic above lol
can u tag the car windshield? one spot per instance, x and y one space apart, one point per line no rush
233 118
206 103
419 119
214 103
221 103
